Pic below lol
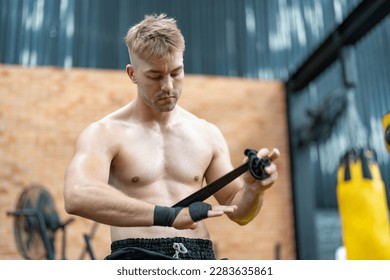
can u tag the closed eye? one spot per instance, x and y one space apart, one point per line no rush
176 73
156 78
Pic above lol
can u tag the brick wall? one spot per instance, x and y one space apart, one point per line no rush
42 110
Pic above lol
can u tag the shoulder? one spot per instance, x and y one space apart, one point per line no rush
199 123
105 128
94 130
99 135
206 128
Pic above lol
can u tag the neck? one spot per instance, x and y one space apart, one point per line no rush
147 114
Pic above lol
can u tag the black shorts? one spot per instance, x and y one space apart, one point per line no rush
162 249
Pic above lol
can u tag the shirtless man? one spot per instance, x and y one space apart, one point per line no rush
130 167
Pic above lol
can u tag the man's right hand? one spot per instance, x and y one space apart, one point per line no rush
184 220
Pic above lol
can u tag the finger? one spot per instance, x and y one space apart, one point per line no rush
219 210
274 154
270 180
213 213
271 168
225 208
263 152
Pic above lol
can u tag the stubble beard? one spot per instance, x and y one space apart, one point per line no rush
166 102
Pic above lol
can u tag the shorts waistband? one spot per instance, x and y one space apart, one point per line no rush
189 248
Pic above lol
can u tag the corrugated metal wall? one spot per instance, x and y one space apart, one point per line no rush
265 39
252 38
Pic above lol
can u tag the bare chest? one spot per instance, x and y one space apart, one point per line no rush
145 157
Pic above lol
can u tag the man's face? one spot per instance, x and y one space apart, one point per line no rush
159 80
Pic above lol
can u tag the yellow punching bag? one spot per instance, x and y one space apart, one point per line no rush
362 203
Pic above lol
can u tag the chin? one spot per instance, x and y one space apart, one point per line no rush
166 108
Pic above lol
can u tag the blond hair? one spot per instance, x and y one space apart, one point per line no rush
154 37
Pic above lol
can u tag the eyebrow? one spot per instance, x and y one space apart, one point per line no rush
158 72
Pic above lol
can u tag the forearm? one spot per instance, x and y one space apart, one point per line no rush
105 204
249 202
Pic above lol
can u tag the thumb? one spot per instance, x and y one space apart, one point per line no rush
248 178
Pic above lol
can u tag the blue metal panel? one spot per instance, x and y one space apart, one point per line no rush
251 38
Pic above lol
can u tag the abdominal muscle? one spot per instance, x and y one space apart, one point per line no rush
165 196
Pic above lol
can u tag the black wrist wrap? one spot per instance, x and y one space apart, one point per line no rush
199 210
164 216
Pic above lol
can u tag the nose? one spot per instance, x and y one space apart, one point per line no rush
167 84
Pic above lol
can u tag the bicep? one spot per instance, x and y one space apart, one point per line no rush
91 161
87 166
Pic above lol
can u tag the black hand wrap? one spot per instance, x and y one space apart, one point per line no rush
165 216
199 210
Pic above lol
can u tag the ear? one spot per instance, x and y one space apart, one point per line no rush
130 73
